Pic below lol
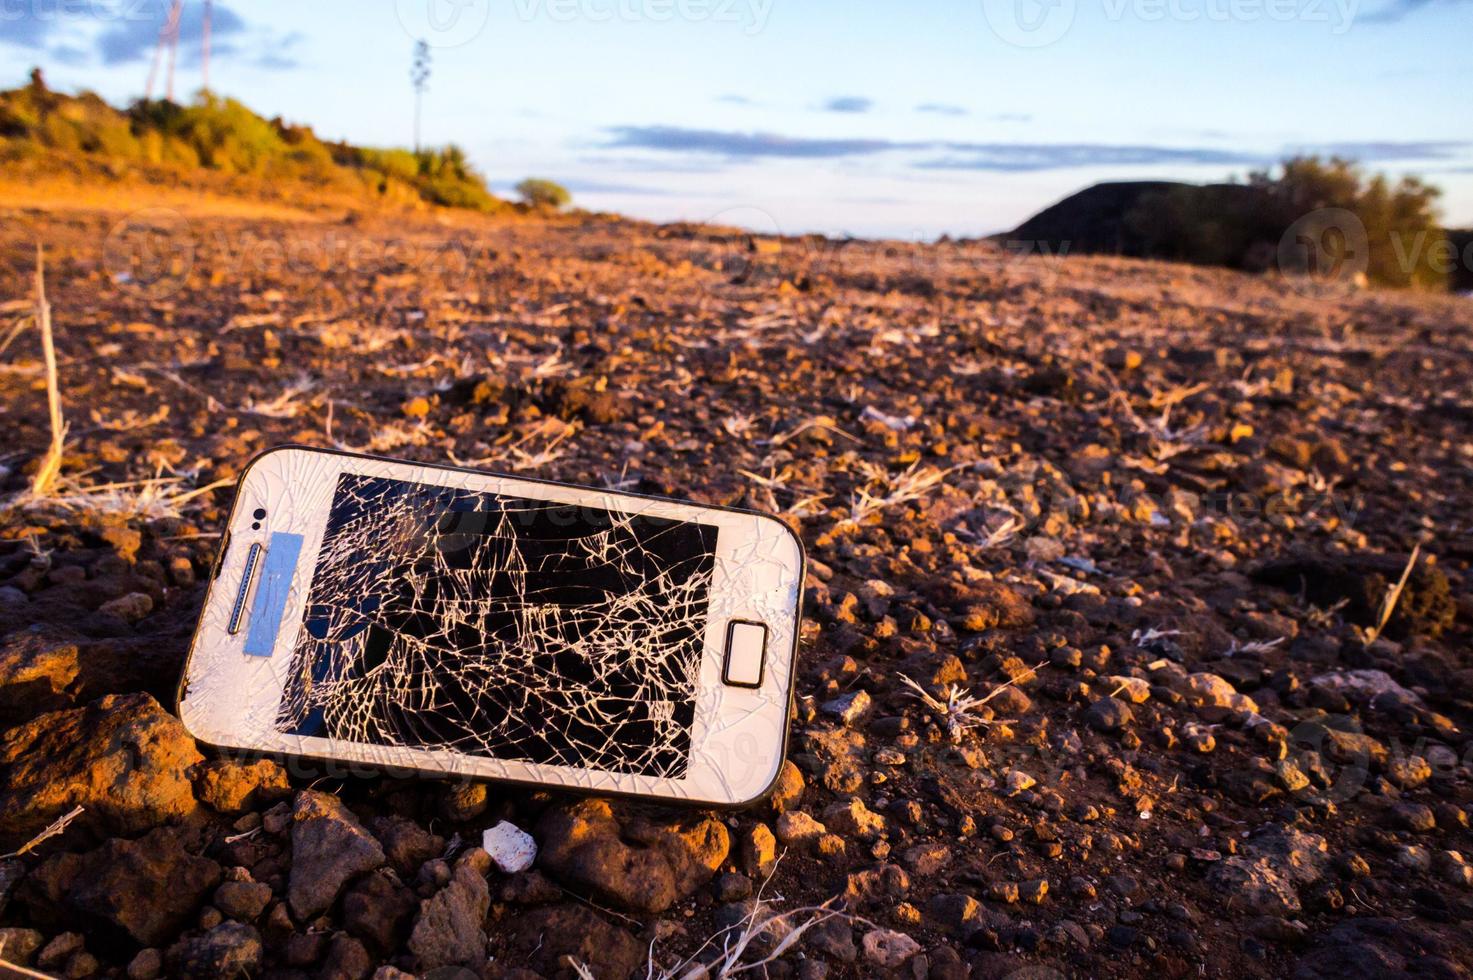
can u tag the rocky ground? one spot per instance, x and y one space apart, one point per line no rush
1091 676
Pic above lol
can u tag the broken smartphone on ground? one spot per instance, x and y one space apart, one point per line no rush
396 614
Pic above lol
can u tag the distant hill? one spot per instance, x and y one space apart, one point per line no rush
219 143
1158 219
1241 226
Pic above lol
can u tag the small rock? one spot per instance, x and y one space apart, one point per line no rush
1136 690
954 912
1413 816
546 938
61 948
19 945
231 786
788 789
758 850
450 928
379 909
406 844
150 888
243 900
888 949
129 608
1408 772
464 801
733 887
123 758
37 667
346 959
512 849
1003 891
854 819
848 708
636 861
146 964
1108 715
1017 781
795 826
833 938
1205 689
231 949
329 846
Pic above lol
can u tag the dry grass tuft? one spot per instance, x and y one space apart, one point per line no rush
958 707
891 491
52 829
1393 596
50 466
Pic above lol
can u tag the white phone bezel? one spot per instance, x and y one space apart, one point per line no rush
229 699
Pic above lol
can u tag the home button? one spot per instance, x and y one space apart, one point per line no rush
746 653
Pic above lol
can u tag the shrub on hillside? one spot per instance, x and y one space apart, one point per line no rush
224 135
1296 220
1400 221
545 194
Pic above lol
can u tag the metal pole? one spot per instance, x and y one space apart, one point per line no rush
173 45
209 8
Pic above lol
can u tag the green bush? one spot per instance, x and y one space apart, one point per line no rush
539 193
223 135
1400 221
1295 220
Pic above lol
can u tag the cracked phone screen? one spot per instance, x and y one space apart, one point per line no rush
451 619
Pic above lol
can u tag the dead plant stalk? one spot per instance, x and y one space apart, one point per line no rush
50 466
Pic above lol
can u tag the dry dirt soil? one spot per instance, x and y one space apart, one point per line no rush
1129 528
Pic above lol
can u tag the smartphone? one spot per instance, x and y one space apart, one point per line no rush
410 616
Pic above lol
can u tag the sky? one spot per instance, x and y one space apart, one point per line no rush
866 117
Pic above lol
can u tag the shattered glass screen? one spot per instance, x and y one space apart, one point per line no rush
444 618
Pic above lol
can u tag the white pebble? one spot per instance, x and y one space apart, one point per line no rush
512 849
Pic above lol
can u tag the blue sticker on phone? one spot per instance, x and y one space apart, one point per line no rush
282 553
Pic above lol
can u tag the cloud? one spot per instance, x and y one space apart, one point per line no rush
122 32
957 156
1002 156
849 103
1386 150
941 109
130 39
24 27
678 139
1032 157
734 99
